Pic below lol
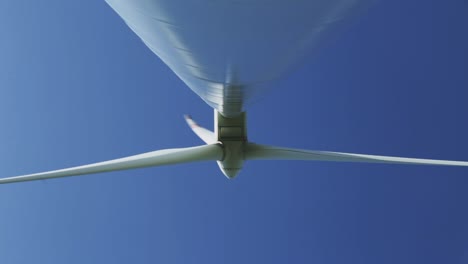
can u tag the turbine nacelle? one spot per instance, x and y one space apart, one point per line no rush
231 132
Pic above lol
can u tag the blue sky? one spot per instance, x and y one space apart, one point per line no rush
77 86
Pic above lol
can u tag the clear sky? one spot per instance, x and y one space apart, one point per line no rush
77 86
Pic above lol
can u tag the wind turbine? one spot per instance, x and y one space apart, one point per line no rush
228 52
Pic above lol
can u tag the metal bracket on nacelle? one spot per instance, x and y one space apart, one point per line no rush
230 128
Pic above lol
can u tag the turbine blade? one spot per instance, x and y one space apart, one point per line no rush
154 158
206 135
263 152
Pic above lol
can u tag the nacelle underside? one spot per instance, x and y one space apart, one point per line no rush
231 132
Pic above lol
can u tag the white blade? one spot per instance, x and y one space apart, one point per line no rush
206 135
263 152
154 158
